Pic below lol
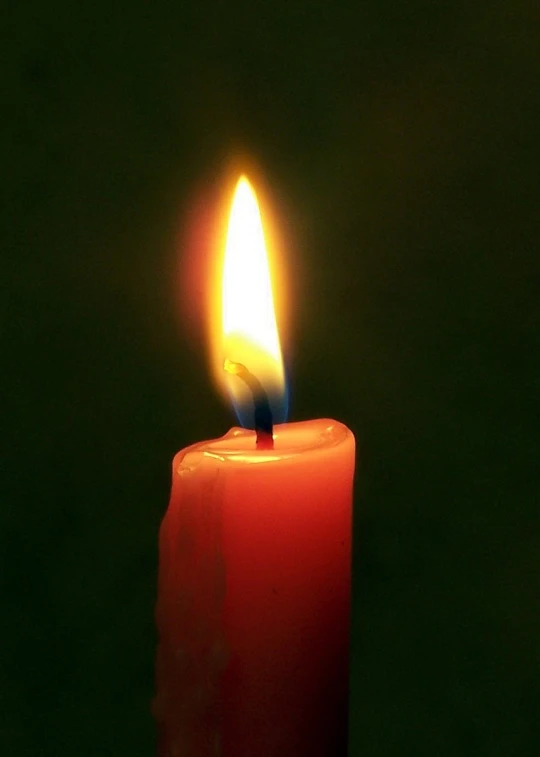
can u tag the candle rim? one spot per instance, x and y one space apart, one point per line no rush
238 445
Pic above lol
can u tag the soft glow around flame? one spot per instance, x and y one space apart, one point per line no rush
249 332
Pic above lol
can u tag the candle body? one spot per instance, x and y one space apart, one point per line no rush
254 596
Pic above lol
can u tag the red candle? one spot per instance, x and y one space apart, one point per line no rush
255 551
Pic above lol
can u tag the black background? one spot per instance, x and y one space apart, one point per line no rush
400 141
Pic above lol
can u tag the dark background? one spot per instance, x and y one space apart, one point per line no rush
401 141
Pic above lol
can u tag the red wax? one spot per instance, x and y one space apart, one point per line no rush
254 596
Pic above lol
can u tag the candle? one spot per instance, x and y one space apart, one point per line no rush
255 550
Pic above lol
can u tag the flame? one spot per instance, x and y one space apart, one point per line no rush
248 331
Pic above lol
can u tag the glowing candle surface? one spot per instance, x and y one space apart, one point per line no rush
255 551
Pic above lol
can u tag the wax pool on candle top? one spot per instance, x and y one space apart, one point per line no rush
254 596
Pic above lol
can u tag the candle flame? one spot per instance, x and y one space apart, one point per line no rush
248 334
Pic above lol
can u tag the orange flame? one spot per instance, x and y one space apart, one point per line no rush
244 327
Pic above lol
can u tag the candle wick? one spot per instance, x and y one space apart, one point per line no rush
264 425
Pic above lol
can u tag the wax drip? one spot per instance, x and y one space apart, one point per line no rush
262 415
